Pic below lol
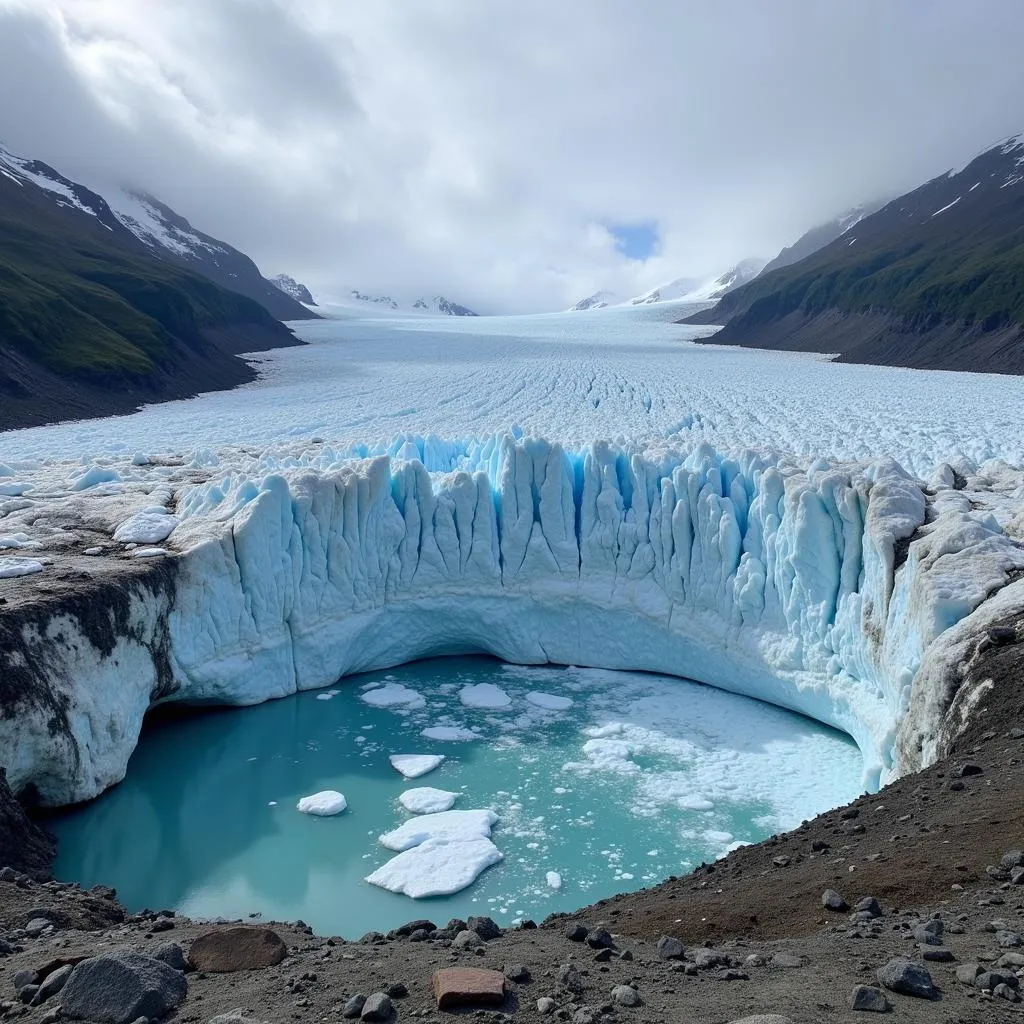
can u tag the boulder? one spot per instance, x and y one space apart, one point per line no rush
869 998
831 900
484 927
236 949
468 986
908 978
376 1009
670 948
118 988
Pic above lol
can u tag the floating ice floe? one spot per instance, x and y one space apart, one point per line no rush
450 733
456 825
14 566
412 766
484 695
427 800
554 880
392 695
549 701
328 695
323 804
437 867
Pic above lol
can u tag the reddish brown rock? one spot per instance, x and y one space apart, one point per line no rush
236 949
468 986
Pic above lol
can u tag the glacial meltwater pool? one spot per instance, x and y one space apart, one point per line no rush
641 777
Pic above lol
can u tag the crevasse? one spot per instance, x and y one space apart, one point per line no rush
816 587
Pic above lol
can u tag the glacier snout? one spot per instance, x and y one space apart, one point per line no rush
819 588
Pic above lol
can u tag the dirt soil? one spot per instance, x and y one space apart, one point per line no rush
926 845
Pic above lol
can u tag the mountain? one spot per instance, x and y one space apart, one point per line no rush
734 277
680 288
596 301
92 322
165 233
291 287
820 236
434 304
934 279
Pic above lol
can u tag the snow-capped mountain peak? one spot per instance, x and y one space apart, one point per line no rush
159 227
680 288
299 292
596 301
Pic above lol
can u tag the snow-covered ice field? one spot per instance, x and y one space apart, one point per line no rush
602 374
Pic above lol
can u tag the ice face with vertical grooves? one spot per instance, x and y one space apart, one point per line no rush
813 586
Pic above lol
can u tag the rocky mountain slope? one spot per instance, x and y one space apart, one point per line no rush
820 236
291 287
92 322
934 279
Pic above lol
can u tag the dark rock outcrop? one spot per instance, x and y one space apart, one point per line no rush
24 846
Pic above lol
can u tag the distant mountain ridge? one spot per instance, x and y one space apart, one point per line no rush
686 289
432 304
934 279
93 321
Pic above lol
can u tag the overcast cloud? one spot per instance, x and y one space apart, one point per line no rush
480 148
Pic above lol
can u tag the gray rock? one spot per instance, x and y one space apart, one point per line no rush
484 927
937 956
27 993
8 874
764 1018
1013 859
584 1015
704 959
37 926
398 990
236 1016
576 932
569 977
966 974
354 1006
118 988
670 948
732 975
171 954
989 979
869 905
969 768
1005 992
53 983
372 939
626 995
421 935
600 938
1015 961
868 998
603 956
467 939
1017 876
377 1008
546 1005
831 900
516 972
1007 939
908 978
787 960
23 978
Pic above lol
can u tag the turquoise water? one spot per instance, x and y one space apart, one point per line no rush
643 777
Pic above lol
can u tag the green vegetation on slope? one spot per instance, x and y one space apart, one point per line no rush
86 301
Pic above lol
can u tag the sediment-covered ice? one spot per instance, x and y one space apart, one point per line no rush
427 800
412 766
821 587
324 804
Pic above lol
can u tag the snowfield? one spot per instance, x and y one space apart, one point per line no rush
587 489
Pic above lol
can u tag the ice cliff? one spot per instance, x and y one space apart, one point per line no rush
818 587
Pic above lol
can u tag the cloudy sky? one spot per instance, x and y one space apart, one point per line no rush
512 154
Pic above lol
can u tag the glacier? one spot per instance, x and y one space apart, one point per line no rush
828 587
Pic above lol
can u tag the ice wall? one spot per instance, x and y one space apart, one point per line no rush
815 587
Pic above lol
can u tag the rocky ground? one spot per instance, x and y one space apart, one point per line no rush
928 873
